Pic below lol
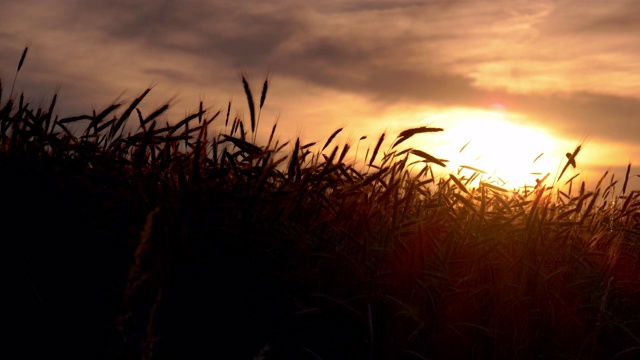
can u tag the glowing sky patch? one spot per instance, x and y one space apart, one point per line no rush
568 68
492 142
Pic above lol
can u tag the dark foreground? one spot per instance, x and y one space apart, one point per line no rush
168 242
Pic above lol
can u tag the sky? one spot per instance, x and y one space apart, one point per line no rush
511 80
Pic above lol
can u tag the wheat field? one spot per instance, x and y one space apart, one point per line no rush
131 237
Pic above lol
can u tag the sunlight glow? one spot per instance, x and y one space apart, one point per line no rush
511 154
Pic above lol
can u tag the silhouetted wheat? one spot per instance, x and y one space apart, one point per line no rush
380 255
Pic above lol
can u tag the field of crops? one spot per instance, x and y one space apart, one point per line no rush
130 237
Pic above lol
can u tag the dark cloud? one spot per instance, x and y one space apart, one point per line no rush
614 118
292 39
242 33
600 18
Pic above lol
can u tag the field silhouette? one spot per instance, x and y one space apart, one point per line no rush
129 239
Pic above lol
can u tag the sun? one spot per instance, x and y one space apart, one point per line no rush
498 145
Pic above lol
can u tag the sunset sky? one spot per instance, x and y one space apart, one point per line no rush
513 79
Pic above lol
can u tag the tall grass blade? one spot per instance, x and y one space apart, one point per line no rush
24 55
263 96
458 183
252 106
626 179
537 158
406 134
428 158
127 113
571 160
154 114
331 138
375 150
294 160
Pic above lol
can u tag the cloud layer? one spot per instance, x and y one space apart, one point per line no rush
568 65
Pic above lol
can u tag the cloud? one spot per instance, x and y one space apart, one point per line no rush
536 57
596 17
610 117
244 33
